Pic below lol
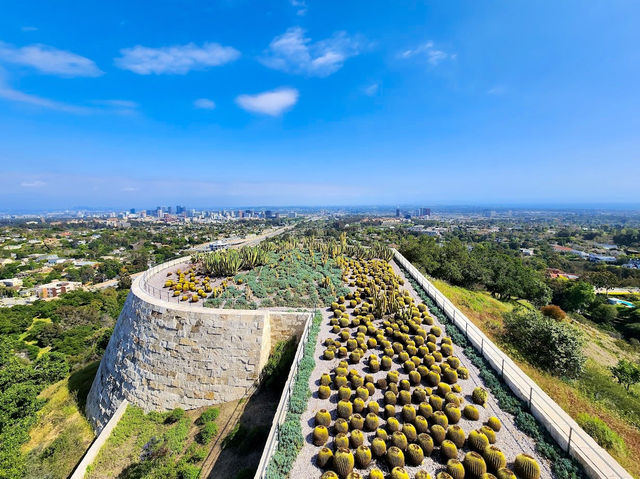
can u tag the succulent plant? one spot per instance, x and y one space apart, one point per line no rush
438 433
409 430
341 425
341 441
471 412
339 381
393 425
479 396
363 456
433 378
415 455
343 462
455 469
450 376
422 474
399 473
329 354
408 413
354 475
358 405
477 441
463 373
399 440
440 418
453 361
378 447
386 363
376 473
446 350
389 411
436 402
494 423
456 435
356 422
344 393
325 379
425 409
421 424
443 475
324 392
325 455
320 435
371 422
505 473
390 398
452 412
395 457
329 475
373 407
490 433
494 458
487 475
526 467
345 409
448 449
474 464
425 441
356 438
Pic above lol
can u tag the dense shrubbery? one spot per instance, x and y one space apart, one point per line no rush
550 344
597 429
486 265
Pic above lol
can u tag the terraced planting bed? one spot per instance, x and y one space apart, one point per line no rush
392 396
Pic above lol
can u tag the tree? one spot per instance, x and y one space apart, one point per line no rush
604 313
603 279
552 345
579 296
626 373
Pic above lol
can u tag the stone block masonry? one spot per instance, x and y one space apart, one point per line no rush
165 355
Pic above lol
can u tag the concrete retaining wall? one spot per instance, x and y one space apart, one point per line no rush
166 355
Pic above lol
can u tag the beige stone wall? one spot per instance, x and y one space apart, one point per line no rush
164 355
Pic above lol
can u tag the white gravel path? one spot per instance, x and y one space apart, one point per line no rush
510 440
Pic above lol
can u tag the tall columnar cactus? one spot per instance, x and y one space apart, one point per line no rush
494 458
526 467
343 462
474 464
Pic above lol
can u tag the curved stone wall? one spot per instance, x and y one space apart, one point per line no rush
165 355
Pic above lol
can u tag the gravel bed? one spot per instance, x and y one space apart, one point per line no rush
510 440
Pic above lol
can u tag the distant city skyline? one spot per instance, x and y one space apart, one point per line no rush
308 102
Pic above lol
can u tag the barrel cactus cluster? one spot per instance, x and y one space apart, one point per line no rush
385 344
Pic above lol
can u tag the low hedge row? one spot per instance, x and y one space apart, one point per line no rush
290 439
563 466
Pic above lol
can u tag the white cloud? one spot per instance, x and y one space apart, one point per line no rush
434 56
293 52
273 102
11 94
29 29
204 104
49 60
128 104
301 5
372 89
178 59
33 184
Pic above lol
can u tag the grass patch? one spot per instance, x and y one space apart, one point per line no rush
597 429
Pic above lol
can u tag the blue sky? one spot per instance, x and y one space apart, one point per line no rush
318 102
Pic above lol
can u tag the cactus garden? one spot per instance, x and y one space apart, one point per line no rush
393 397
